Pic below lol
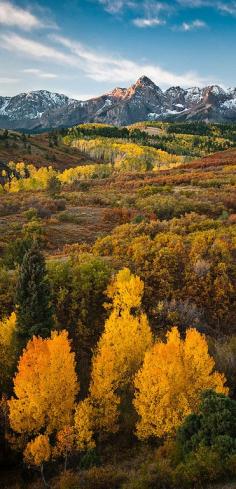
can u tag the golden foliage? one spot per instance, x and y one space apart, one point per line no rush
125 291
83 426
169 384
126 156
65 442
38 451
120 350
7 348
45 386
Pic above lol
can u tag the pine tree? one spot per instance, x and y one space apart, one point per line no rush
34 313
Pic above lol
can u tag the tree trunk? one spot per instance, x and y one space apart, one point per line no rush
42 475
65 463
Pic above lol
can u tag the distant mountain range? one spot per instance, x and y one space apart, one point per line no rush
142 101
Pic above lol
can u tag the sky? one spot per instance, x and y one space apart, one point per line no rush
84 48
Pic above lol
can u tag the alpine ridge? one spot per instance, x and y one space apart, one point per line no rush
38 110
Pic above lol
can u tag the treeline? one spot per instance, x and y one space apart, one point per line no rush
191 139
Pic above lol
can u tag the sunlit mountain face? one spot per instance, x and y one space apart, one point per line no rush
144 100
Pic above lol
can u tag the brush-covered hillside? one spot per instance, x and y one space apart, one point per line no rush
118 307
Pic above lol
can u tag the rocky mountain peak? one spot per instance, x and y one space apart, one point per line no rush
144 81
144 100
118 92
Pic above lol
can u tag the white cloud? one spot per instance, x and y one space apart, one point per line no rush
221 6
14 16
150 8
113 69
5 79
116 6
11 15
194 25
96 66
227 8
142 22
39 73
36 50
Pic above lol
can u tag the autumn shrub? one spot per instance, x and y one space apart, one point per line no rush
153 474
179 313
9 207
69 480
89 459
104 477
168 206
118 215
30 213
232 218
200 468
224 353
138 219
84 186
66 216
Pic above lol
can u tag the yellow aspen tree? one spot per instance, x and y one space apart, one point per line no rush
45 386
170 382
120 350
65 444
8 351
84 426
37 452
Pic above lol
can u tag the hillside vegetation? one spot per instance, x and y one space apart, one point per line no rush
118 309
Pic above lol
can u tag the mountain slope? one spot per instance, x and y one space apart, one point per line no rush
142 101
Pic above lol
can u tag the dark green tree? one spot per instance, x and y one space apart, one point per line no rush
33 298
213 427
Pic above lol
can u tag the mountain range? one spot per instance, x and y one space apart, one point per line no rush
38 110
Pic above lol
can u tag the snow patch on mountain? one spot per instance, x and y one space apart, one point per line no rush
142 101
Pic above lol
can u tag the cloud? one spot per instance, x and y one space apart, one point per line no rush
5 79
195 3
15 43
194 25
116 6
221 6
150 9
96 66
106 68
39 73
227 8
142 22
13 16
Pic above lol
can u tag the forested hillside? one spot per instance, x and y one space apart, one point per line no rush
118 307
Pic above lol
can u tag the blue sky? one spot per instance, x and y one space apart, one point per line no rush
84 48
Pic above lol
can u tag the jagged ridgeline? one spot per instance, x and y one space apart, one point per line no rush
142 101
